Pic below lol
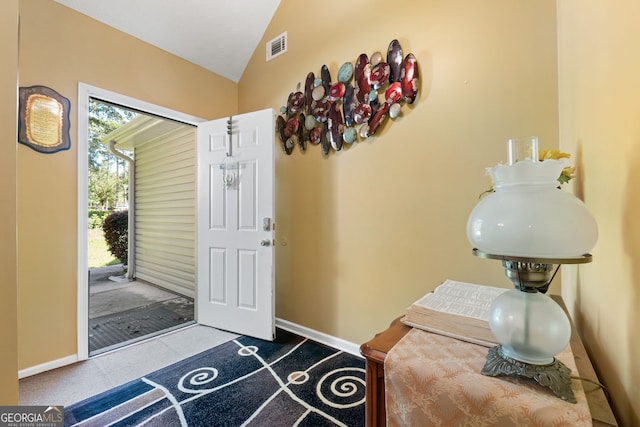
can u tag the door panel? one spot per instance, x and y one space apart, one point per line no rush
217 271
248 209
235 195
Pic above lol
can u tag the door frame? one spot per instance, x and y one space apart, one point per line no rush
85 92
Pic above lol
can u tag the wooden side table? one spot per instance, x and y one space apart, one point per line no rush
376 349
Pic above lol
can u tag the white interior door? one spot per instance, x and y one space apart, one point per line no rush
236 270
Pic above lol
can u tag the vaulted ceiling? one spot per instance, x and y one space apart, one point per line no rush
218 35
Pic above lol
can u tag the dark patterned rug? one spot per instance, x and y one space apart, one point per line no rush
292 381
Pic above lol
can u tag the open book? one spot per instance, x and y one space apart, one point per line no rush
456 309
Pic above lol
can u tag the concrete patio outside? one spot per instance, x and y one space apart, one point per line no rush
123 311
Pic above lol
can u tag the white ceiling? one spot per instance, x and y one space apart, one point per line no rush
218 35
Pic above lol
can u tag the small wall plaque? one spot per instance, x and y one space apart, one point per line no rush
43 120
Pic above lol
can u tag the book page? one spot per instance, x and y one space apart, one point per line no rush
464 299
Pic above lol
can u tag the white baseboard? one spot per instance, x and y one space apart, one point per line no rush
320 337
54 364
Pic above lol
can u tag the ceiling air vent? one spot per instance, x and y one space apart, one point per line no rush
277 46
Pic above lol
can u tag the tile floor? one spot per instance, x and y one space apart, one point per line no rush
70 384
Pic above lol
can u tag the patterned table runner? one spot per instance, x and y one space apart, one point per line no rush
433 380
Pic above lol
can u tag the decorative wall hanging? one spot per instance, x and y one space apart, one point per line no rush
330 114
43 119
230 167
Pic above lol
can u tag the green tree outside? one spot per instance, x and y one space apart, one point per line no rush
108 175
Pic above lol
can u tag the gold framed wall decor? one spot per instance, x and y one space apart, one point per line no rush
43 119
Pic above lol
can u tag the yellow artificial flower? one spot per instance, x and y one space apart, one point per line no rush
552 155
567 174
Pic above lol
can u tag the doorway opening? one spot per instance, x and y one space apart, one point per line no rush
234 277
140 210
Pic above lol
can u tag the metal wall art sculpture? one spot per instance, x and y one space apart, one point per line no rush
330 114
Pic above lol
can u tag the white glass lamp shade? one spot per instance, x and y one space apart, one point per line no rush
528 216
530 327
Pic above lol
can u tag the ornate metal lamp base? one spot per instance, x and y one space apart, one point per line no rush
555 376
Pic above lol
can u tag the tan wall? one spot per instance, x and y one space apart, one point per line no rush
8 265
600 119
365 232
59 48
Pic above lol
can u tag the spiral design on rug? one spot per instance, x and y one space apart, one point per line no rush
197 378
341 389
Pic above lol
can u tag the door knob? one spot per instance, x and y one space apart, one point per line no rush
265 242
